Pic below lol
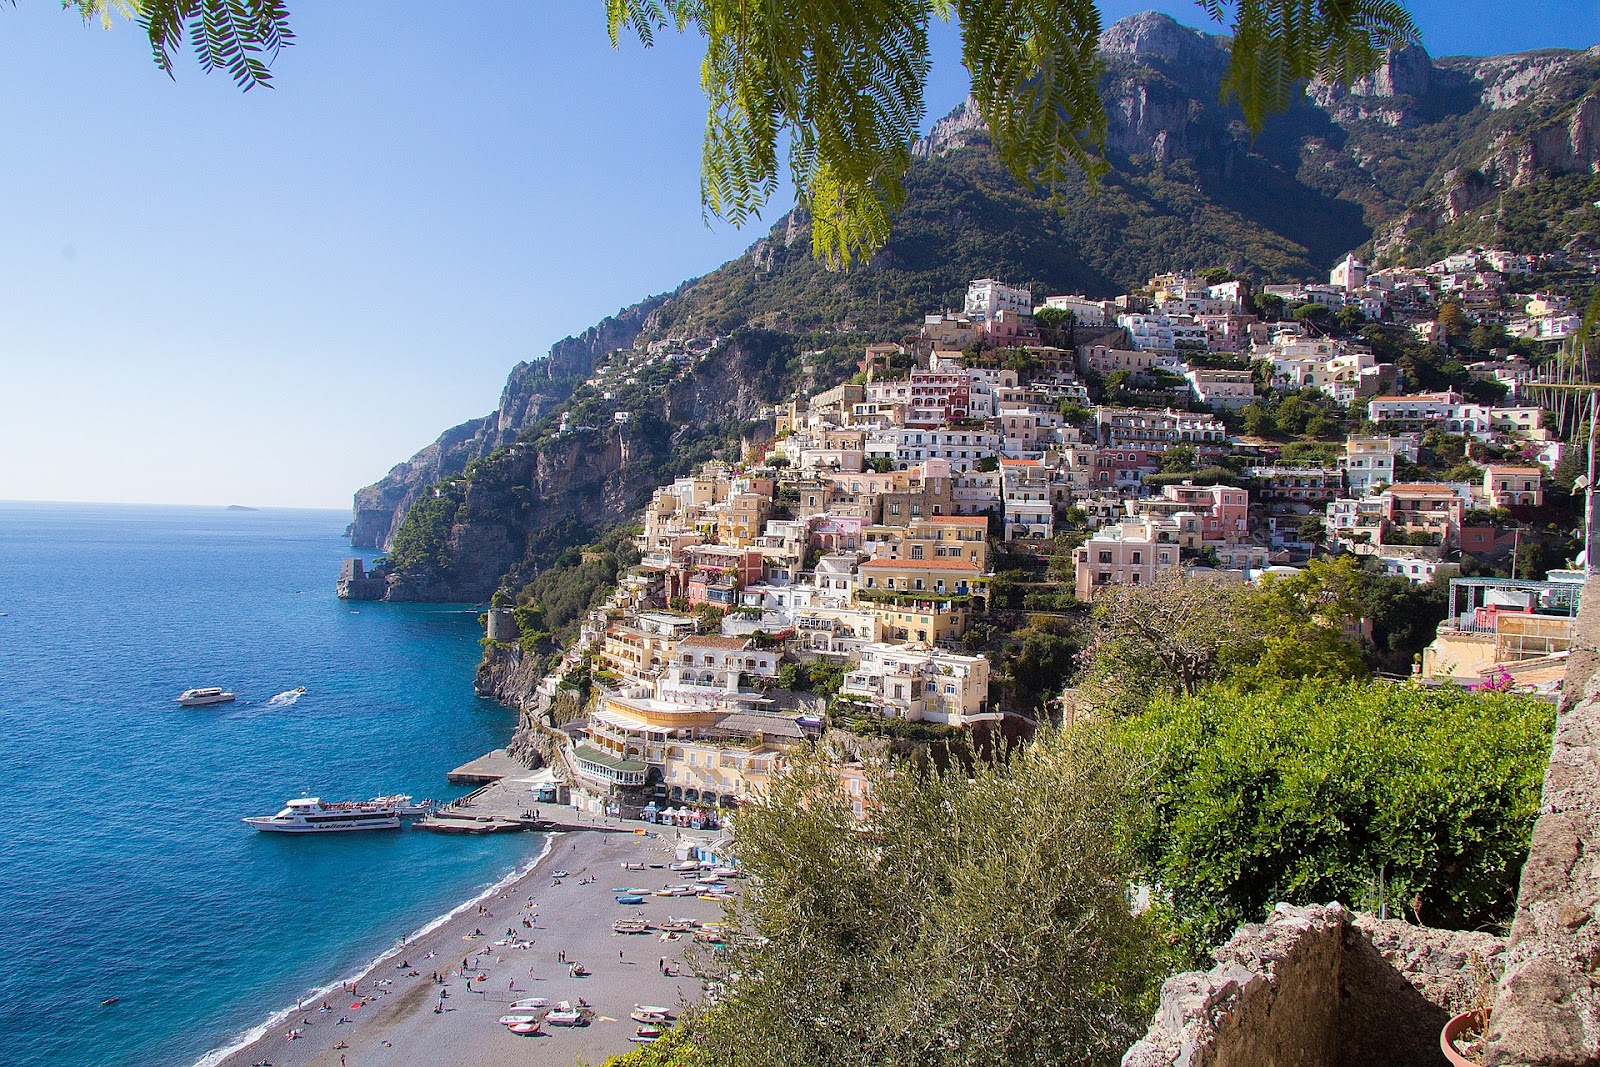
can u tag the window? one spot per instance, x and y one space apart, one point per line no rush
1138 557
1105 557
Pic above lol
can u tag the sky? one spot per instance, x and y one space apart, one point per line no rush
269 298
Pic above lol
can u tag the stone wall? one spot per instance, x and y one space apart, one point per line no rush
1548 1009
1319 987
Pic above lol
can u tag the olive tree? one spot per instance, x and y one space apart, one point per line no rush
979 916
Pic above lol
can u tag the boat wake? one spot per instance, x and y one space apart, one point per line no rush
287 698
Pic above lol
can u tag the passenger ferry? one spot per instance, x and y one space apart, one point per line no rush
312 815
198 698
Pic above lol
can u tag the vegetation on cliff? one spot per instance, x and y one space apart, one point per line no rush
421 540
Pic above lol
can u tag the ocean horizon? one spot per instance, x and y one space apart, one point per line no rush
127 873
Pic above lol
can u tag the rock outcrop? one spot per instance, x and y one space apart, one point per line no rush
1321 987
1548 1009
531 391
521 503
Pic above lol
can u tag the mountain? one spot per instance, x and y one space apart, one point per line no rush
1400 165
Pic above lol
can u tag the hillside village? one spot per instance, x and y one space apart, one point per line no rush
836 572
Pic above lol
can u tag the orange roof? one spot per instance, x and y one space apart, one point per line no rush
920 565
960 520
1421 487
733 644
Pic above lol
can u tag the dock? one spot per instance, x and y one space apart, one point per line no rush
489 767
503 802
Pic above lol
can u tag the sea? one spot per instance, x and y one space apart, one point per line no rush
125 871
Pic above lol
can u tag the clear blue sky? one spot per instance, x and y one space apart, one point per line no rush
270 298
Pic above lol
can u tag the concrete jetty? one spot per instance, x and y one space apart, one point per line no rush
506 801
489 767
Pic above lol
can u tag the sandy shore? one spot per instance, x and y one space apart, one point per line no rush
391 1011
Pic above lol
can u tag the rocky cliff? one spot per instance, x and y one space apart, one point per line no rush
531 391
509 512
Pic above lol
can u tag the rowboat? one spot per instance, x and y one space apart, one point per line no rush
530 1003
631 926
630 898
563 1014
524 1029
512 1020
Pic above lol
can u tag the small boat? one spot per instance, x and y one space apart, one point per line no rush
564 1014
530 1002
646 1033
558 874
679 926
630 898
646 1013
631 926
686 865
527 1029
199 698
627 889
106 1003
407 808
510 1020
630 865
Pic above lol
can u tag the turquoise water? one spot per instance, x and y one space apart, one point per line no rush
124 869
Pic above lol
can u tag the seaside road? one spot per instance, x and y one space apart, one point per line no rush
399 1026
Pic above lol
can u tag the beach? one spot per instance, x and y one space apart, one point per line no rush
434 1000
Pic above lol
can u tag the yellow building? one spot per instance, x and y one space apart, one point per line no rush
929 600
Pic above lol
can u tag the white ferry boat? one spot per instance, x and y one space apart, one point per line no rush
311 815
199 698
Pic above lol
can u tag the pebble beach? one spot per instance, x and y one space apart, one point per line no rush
435 1000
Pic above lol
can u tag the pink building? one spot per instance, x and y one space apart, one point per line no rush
938 397
1222 511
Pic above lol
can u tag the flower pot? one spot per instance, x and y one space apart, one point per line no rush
1475 1021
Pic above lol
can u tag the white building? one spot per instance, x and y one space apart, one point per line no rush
1026 492
1087 312
1349 275
921 684
1417 569
715 662
987 297
1227 389
1163 333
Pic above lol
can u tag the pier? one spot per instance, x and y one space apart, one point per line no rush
504 802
